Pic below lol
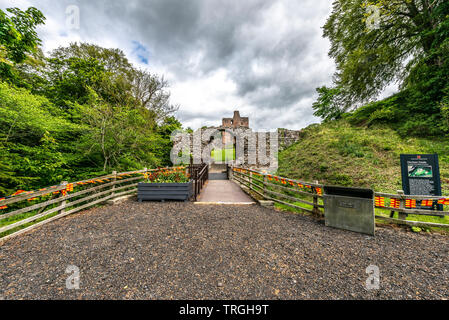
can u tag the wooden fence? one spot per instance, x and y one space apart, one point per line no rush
308 197
405 205
28 210
301 195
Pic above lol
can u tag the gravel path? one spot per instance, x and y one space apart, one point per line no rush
188 251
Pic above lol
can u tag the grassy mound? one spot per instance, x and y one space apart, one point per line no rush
341 154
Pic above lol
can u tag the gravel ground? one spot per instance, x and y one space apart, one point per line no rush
187 251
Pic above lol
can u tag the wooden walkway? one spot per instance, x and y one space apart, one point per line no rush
223 192
219 190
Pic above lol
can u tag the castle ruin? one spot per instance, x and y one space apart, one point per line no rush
285 138
237 128
236 122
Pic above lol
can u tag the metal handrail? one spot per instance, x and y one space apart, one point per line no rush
199 174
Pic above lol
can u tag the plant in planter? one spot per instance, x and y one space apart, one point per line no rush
165 184
167 177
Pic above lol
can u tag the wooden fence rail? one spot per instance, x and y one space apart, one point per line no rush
398 203
307 196
22 213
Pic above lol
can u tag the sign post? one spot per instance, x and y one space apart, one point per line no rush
421 176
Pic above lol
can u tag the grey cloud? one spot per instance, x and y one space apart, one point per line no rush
208 117
282 38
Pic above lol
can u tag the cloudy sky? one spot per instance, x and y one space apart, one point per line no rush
262 57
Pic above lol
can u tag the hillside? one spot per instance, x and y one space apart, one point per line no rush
341 154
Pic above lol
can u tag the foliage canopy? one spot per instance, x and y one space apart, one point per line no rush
378 42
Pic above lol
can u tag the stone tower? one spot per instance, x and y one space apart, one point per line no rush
236 122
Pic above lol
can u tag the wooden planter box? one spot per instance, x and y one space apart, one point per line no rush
164 191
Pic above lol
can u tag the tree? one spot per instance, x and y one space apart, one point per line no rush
119 137
105 134
328 106
151 92
407 43
165 144
8 178
113 60
107 71
31 138
444 105
81 112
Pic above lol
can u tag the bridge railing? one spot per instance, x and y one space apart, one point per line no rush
199 174
25 211
299 195
308 197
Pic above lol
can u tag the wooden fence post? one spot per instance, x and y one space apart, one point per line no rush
114 179
250 179
62 195
265 186
401 215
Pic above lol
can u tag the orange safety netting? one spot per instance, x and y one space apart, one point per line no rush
394 203
380 201
427 203
410 203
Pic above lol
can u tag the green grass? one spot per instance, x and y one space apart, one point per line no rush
413 217
340 154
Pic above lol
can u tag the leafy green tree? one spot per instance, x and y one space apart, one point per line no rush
8 178
25 118
113 60
81 112
70 80
444 105
31 132
42 164
408 43
164 145
107 71
328 106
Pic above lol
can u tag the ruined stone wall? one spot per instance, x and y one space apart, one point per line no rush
244 122
251 141
236 122
227 122
288 138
